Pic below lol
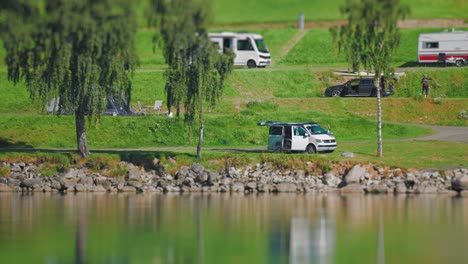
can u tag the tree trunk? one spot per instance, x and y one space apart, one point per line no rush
200 139
379 123
81 134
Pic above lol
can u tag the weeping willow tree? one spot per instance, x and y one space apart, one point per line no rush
369 39
78 50
197 72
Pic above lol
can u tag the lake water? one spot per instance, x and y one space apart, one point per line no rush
223 228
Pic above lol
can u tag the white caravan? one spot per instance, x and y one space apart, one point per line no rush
250 49
305 137
447 47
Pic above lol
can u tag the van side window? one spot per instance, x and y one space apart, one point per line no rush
275 130
299 131
430 45
244 44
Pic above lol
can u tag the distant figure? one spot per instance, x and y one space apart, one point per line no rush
425 85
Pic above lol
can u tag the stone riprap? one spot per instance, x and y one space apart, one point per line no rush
357 179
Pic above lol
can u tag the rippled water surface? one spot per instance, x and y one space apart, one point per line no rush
157 228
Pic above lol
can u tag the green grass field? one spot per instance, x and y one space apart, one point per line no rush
290 90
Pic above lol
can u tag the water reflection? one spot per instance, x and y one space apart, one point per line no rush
290 228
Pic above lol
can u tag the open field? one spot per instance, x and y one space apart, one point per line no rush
290 90
227 12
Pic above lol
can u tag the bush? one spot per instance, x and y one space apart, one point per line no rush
5 171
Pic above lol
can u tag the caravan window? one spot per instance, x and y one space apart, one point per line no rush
299 131
430 45
244 44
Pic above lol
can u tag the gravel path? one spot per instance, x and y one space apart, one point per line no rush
446 133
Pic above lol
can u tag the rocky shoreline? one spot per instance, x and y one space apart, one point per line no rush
262 178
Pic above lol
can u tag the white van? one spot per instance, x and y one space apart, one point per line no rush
250 49
306 137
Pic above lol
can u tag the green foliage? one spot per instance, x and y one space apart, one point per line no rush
47 169
78 51
5 171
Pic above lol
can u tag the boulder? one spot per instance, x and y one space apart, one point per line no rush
401 188
80 188
286 187
128 189
29 183
377 188
237 187
197 168
355 174
354 188
460 183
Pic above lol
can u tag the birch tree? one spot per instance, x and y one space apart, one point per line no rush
77 50
369 39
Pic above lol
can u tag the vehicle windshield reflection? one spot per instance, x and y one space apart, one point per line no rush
316 130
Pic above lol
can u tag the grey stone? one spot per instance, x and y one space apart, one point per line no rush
202 177
331 180
128 189
355 174
237 187
300 174
29 183
286 187
464 193
134 174
5 188
352 189
426 189
80 188
264 187
377 188
67 183
251 185
347 154
71 173
86 180
99 188
14 182
460 183
401 187
197 168
189 182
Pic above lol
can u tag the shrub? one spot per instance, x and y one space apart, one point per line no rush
5 171
463 115
47 169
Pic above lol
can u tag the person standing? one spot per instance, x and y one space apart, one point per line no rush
425 85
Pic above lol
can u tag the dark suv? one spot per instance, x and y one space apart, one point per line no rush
356 87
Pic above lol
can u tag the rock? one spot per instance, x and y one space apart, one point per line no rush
264 187
197 168
182 173
300 174
425 189
80 188
347 154
460 182
464 193
352 189
29 183
128 189
202 177
71 173
5 188
401 188
251 186
14 182
100 180
134 174
67 183
331 180
355 174
237 187
99 188
377 188
172 188
86 180
189 182
286 187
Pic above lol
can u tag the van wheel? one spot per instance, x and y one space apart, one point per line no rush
251 64
335 93
459 63
310 149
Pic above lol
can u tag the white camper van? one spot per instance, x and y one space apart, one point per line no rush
447 47
305 137
250 49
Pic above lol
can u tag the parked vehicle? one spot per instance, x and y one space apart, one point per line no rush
356 87
446 47
305 137
250 49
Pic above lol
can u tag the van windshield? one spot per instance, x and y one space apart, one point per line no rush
261 45
316 129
